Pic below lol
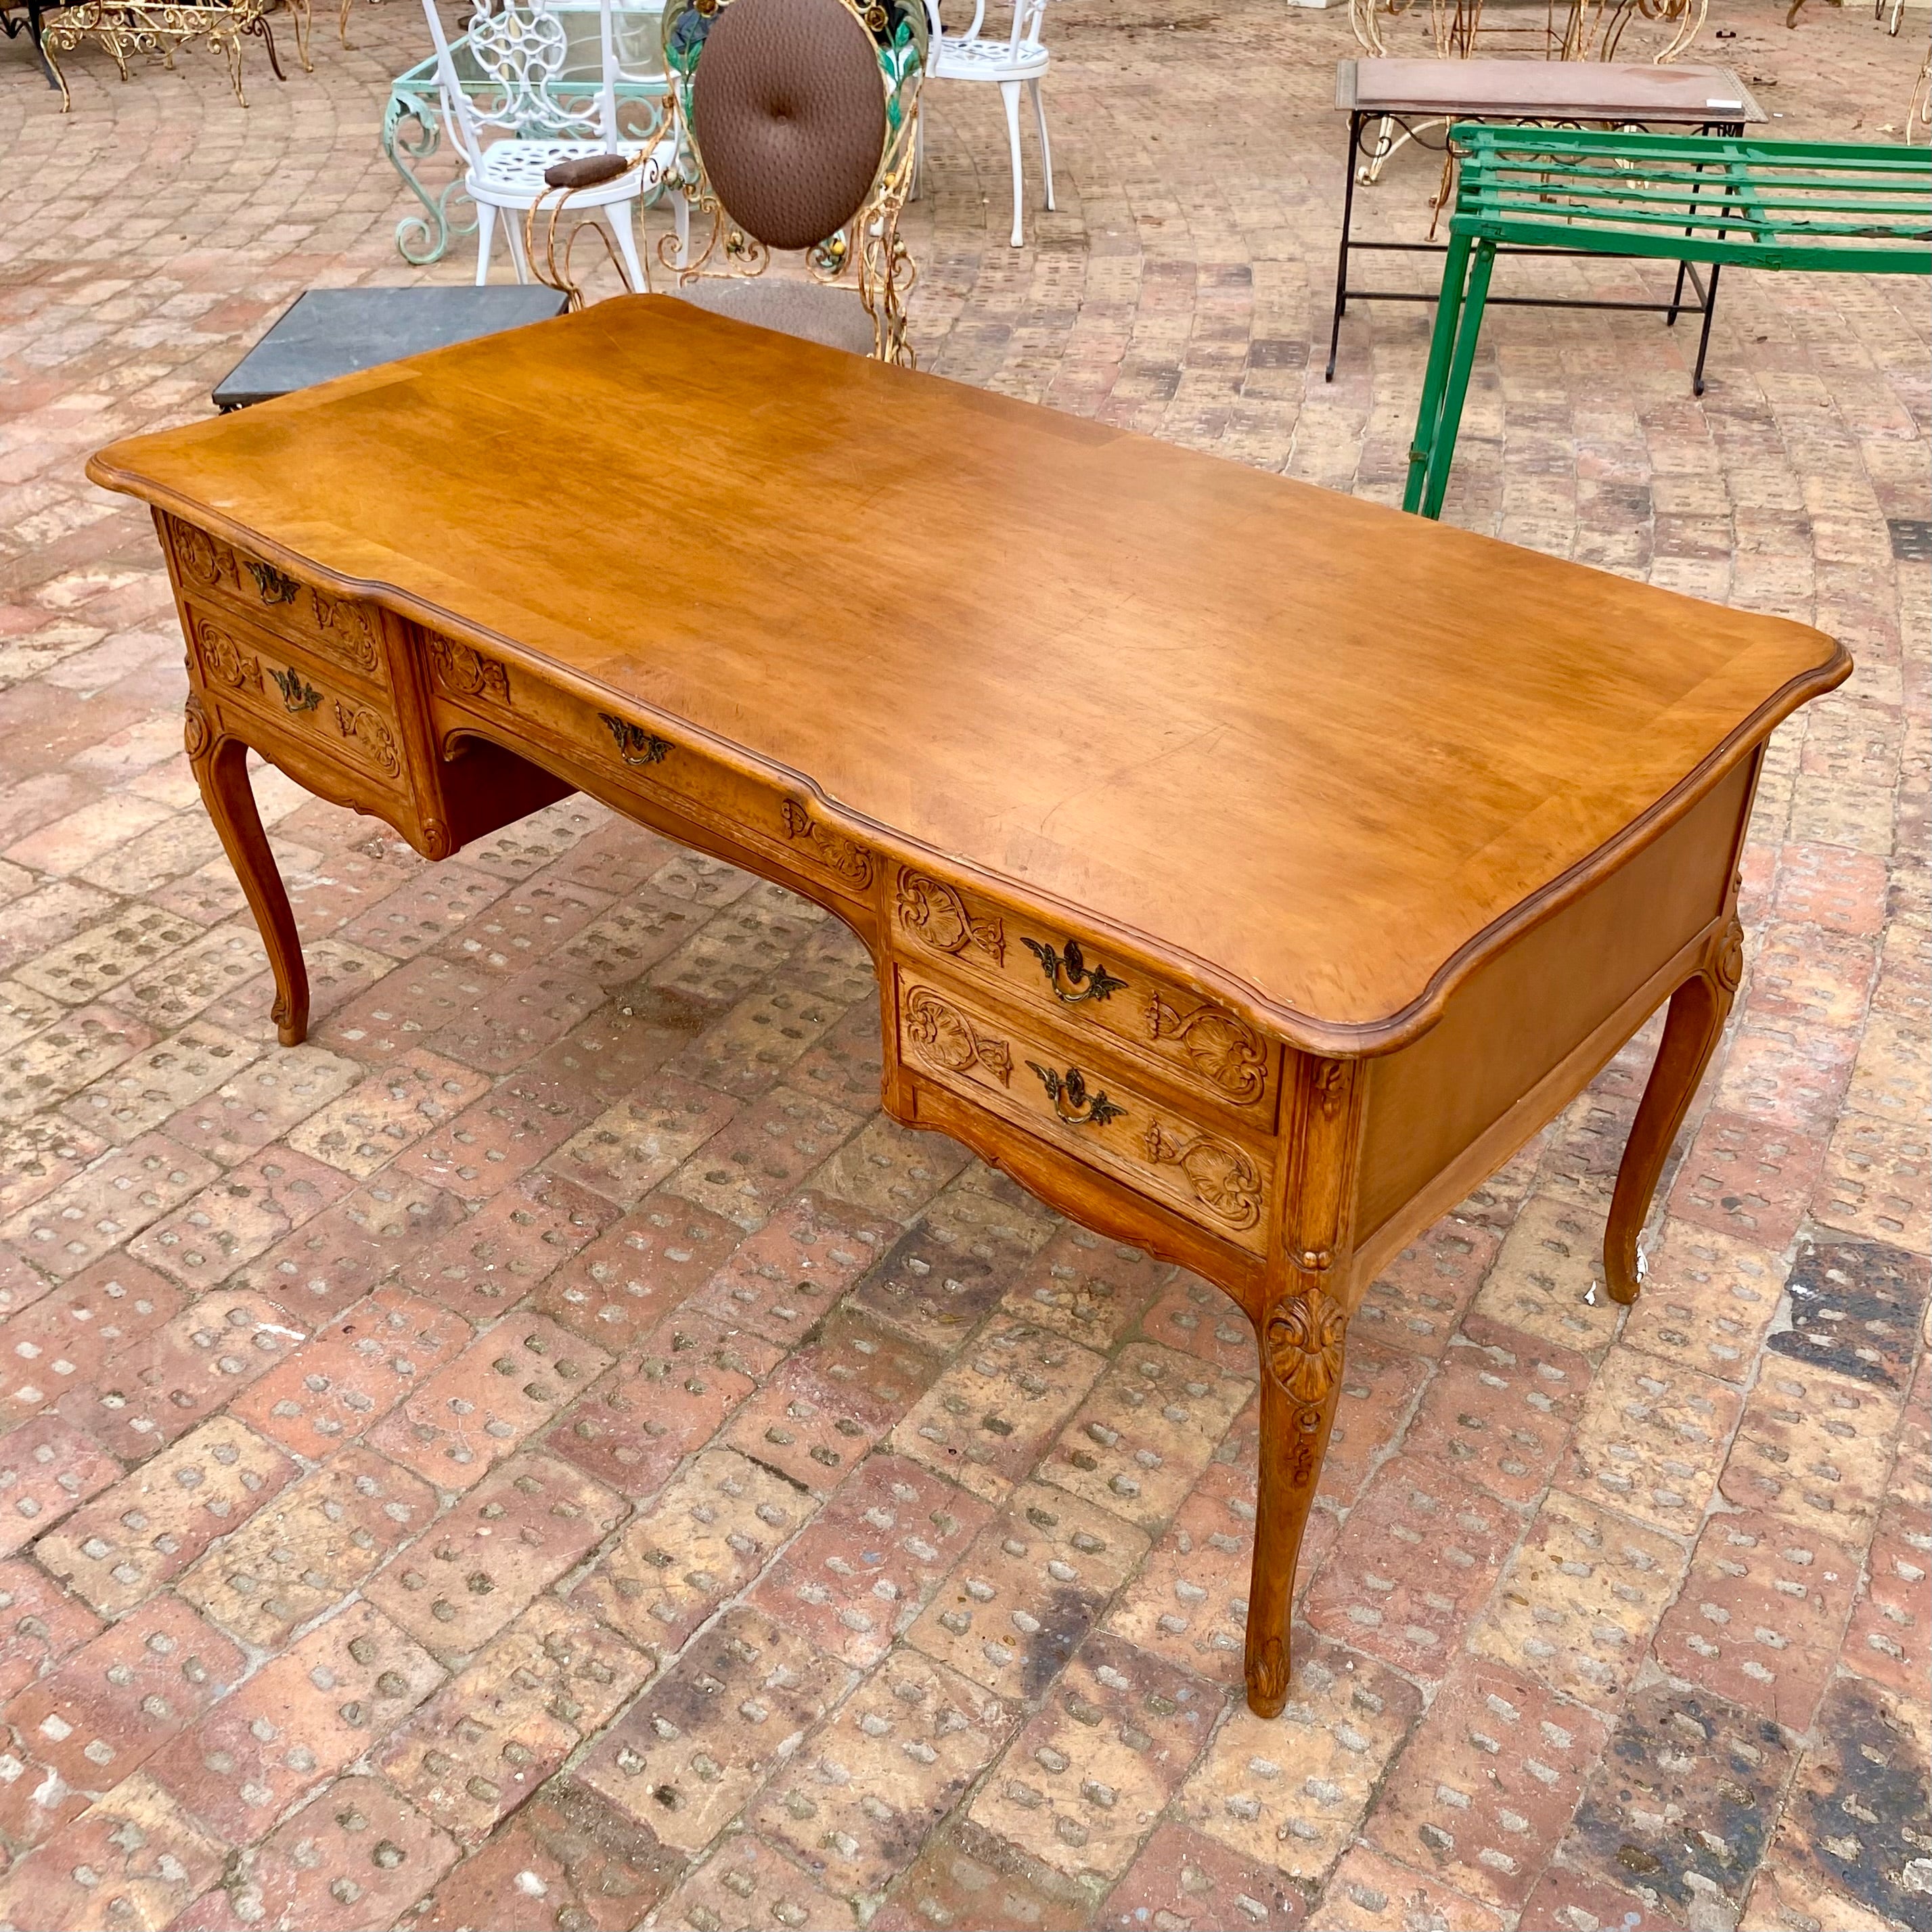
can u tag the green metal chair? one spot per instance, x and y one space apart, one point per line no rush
1815 206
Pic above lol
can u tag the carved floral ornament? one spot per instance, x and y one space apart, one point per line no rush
939 915
941 1034
465 673
1224 1179
832 849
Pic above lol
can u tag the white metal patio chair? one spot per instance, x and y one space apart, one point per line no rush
528 118
1010 62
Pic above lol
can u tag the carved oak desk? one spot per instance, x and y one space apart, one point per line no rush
1248 871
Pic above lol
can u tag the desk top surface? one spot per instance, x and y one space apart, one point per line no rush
1586 90
1323 755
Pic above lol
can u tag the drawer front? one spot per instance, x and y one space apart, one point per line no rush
1093 989
249 671
334 633
1036 1076
467 686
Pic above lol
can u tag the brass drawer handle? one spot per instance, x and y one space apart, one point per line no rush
276 587
296 696
1071 1100
635 745
1070 976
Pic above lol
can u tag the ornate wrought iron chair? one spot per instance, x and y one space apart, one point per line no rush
1010 60
521 49
797 119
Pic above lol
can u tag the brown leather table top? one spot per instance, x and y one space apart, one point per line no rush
1586 90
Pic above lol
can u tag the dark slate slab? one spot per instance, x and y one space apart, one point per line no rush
332 332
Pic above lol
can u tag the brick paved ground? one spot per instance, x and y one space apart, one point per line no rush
505 1464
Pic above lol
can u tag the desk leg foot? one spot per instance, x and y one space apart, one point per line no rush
1699 1008
221 769
1301 1345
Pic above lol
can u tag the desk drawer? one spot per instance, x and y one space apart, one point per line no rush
1091 988
252 672
1036 1075
691 780
333 634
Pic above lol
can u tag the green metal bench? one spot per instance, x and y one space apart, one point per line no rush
1814 206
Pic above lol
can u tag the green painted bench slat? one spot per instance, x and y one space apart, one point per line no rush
1818 206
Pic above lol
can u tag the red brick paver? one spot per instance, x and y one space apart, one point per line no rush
549 1453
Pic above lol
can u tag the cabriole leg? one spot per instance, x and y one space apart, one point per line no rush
1303 1328
1699 1008
1301 1344
221 770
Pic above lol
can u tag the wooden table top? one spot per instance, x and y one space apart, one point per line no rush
1582 90
1326 754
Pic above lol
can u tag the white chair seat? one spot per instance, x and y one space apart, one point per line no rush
1010 61
954 58
511 173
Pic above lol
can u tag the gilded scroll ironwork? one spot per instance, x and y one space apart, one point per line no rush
297 695
1068 973
276 587
635 745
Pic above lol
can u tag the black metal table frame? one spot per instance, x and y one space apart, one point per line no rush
1707 293
31 27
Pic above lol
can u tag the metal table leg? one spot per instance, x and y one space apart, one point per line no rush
1342 266
1429 411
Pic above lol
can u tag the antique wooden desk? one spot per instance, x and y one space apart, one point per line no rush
1248 871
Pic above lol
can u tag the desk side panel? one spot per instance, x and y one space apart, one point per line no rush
1532 1021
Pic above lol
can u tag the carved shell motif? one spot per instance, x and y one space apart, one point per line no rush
831 849
1221 1047
200 557
1224 1179
345 630
196 733
368 729
935 914
465 673
941 1034
226 661
1304 1340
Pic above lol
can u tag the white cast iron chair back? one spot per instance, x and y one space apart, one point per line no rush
525 117
1009 61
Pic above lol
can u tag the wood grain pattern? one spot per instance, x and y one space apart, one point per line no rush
1200 666
1248 877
